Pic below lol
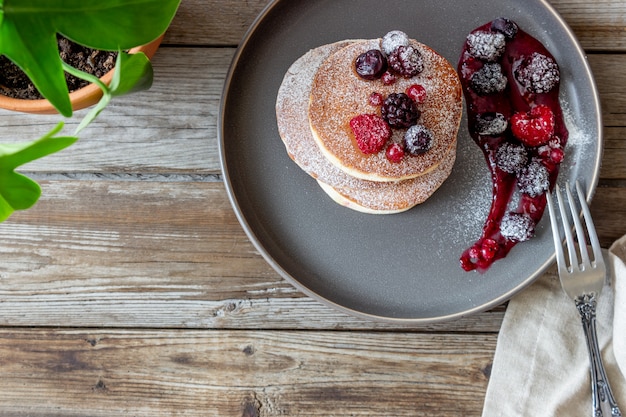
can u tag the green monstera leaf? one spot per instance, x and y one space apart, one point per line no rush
28 30
18 192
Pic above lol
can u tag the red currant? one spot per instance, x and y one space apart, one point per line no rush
376 99
395 152
388 78
417 92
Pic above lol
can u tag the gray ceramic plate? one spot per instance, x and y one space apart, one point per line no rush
401 267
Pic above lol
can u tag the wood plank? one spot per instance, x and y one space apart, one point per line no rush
170 128
598 24
241 373
158 255
608 210
157 131
609 74
614 158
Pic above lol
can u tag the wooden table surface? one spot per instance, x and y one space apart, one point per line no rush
132 290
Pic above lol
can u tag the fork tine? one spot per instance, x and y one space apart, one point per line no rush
591 230
560 257
569 238
580 232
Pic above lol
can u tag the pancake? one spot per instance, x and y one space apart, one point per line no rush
338 94
293 125
391 198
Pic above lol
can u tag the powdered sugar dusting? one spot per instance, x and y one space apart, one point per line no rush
339 94
293 125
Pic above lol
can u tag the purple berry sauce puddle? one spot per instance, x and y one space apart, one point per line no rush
514 98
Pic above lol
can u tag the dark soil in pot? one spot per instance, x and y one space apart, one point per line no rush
14 83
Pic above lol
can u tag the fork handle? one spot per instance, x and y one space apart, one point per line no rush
600 387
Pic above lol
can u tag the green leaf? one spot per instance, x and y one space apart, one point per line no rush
132 73
28 31
18 192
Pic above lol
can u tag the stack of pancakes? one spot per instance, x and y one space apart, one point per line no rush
321 92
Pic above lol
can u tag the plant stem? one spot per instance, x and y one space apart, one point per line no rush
85 76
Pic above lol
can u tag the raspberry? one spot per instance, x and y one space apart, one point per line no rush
392 40
505 26
487 46
406 61
417 93
535 127
533 179
538 73
517 227
418 139
490 124
489 79
400 111
371 65
371 132
395 152
511 158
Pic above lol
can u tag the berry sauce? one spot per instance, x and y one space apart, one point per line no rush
517 98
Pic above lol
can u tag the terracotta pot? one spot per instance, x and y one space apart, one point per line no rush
84 97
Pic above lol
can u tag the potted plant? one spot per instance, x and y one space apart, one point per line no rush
28 37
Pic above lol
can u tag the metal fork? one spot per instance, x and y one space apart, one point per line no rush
583 281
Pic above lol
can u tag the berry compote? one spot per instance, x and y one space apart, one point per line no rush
511 87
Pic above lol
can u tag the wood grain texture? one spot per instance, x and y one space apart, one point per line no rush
156 255
241 373
598 24
130 289
162 132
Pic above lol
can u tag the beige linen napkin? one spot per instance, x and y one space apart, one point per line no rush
541 365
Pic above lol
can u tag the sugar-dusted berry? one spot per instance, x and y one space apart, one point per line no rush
535 127
511 158
376 99
371 132
517 227
395 152
400 111
489 79
487 46
392 40
370 65
417 92
406 61
388 78
417 140
538 73
533 179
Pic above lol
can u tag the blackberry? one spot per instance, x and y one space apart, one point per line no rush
538 73
400 111
517 227
511 158
418 139
370 65
392 40
406 61
533 179
487 46
505 26
490 124
489 79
